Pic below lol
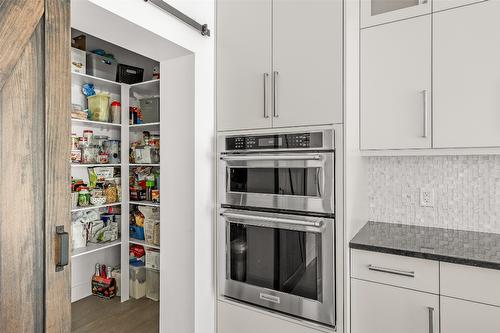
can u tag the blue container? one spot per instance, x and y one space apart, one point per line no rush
136 232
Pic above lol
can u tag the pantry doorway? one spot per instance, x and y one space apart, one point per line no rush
34 189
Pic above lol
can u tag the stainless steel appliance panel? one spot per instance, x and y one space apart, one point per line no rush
277 261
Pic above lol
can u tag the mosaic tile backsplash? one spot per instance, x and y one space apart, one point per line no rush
466 191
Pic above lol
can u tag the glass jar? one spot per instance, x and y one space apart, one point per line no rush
83 197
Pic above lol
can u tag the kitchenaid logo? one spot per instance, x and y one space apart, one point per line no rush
270 298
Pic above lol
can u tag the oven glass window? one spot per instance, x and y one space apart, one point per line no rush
283 260
284 181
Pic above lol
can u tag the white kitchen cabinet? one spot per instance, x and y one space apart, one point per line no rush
379 308
466 76
307 39
234 318
279 63
459 316
244 64
375 12
438 5
395 108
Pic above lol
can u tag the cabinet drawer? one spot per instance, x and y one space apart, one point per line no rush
400 271
471 283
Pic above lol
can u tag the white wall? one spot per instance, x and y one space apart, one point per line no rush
355 186
150 18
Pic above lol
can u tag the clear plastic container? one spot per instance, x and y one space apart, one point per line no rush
137 281
99 107
153 284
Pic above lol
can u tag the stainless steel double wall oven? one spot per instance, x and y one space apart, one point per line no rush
276 239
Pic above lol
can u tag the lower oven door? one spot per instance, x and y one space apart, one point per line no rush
281 262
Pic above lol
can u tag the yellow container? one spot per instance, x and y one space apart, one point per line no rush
99 107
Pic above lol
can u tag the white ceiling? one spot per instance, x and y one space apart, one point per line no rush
95 20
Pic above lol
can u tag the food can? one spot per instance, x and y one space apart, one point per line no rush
76 156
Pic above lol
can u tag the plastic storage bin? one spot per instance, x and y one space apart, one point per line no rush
137 281
78 61
129 74
150 109
152 258
101 67
99 107
153 284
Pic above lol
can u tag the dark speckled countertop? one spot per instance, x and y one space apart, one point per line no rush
471 248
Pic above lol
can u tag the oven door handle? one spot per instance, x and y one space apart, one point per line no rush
315 224
315 157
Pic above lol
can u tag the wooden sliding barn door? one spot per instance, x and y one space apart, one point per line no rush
35 90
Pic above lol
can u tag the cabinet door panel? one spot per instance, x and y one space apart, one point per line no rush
458 316
438 5
378 308
466 76
243 57
375 12
396 85
308 57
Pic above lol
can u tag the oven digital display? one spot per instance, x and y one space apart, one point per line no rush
279 141
270 142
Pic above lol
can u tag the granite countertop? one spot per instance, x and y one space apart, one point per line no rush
471 248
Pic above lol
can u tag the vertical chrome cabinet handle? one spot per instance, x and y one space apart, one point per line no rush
275 94
431 319
266 111
63 255
426 111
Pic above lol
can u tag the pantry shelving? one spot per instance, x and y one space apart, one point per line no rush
143 243
147 126
79 79
96 123
91 248
80 209
115 253
134 165
145 203
83 165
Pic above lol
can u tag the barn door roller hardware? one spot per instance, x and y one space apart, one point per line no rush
202 28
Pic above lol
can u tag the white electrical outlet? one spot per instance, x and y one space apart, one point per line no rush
426 197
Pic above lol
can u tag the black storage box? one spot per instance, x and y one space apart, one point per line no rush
129 74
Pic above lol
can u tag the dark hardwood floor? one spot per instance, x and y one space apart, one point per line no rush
93 314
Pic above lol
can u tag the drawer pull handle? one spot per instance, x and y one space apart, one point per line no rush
391 271
431 319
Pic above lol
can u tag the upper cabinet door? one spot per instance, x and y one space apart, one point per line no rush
466 76
374 12
438 5
396 85
307 62
244 64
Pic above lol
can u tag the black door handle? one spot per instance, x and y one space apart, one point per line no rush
63 252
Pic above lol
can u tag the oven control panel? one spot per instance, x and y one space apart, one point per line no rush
276 141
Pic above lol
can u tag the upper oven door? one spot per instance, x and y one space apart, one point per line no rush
284 181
